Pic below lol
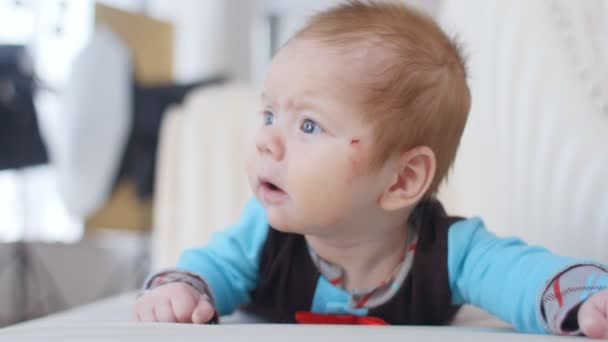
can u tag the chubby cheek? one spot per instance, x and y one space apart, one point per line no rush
324 183
281 220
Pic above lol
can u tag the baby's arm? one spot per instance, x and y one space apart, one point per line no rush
513 280
225 271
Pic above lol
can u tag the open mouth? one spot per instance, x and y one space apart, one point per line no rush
271 193
271 186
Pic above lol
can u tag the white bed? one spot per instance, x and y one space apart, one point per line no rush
110 320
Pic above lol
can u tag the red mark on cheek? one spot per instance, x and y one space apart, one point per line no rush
355 160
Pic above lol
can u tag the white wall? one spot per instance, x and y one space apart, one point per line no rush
533 160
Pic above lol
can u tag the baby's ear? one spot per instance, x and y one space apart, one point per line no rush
412 178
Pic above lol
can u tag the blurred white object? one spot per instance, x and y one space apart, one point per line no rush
201 183
533 159
97 120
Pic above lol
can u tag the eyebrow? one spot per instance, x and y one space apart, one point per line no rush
300 104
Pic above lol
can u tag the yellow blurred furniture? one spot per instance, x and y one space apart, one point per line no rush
149 40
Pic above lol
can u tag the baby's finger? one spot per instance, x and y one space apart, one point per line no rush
203 312
592 321
164 313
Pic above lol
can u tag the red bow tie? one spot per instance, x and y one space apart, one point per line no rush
305 317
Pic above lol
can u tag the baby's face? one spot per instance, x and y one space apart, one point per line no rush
309 166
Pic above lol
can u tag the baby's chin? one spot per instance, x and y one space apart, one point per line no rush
281 223
287 225
287 219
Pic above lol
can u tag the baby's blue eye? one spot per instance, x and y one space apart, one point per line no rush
268 118
310 127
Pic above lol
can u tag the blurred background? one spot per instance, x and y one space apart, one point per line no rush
123 125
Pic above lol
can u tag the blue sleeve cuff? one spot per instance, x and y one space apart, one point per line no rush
566 292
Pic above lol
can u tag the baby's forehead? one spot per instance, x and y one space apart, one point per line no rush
350 70
367 64
365 52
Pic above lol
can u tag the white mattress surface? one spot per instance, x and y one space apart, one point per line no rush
109 320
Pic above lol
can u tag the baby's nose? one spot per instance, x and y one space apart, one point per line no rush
270 142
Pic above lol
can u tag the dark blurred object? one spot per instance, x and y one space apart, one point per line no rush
150 104
20 141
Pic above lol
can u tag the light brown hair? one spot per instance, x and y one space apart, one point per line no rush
419 95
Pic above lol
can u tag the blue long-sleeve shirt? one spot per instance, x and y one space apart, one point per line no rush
504 276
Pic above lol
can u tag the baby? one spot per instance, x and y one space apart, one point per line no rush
363 113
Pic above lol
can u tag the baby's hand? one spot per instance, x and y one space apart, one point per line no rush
173 302
593 316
